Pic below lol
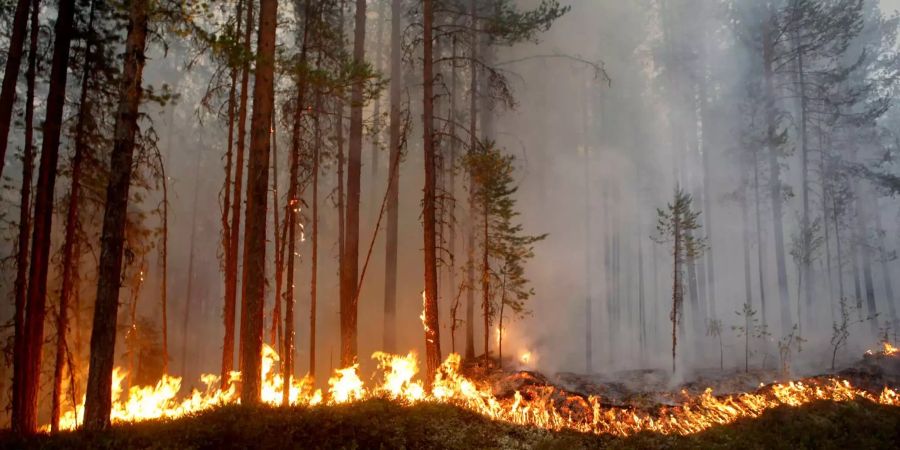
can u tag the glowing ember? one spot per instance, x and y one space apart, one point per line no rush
540 406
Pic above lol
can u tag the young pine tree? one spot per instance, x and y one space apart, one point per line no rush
678 225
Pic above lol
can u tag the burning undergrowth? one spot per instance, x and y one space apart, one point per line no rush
528 398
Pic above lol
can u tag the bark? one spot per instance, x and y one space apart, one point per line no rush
69 257
432 330
350 264
257 187
11 73
21 282
103 334
231 265
24 420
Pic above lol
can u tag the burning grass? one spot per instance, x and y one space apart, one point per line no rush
527 399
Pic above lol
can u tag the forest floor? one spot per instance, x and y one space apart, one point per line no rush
384 424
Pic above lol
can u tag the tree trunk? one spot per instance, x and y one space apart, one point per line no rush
376 113
745 238
883 258
760 249
391 237
257 187
315 237
432 330
470 225
865 255
231 265
189 295
70 259
676 290
806 268
450 193
774 176
11 74
103 335
25 419
485 275
275 330
350 263
21 282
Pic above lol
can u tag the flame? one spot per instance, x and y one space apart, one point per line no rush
525 358
886 350
539 406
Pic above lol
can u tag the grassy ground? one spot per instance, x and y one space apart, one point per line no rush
379 424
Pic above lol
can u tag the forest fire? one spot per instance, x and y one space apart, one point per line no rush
545 407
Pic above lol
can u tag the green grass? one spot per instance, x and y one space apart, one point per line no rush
376 424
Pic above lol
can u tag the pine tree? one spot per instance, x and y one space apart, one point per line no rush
678 224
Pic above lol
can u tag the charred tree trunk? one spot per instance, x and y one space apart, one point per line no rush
350 264
11 73
103 335
393 215
24 420
430 314
257 187
21 282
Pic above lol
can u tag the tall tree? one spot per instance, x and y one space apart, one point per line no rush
257 188
231 261
98 399
349 271
29 370
430 314
389 342
21 282
69 265
678 225
11 73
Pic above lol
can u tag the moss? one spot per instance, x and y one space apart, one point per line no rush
377 424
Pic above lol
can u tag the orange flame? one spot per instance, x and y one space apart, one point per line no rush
539 406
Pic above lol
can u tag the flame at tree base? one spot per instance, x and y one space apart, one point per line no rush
542 407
